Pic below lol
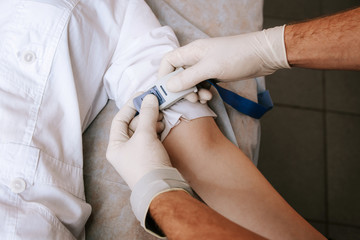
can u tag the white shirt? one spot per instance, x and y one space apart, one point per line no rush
60 61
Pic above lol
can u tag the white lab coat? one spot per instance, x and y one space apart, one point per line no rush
60 61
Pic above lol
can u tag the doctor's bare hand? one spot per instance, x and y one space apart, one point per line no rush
135 156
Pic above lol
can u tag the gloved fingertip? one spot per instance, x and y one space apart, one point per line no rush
205 94
160 126
164 70
130 102
150 100
149 112
192 97
173 85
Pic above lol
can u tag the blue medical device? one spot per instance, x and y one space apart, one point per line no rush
241 104
165 97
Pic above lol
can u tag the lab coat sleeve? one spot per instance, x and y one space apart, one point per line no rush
141 46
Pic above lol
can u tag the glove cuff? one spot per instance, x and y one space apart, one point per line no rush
148 187
275 39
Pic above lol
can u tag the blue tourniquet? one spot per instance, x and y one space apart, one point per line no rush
244 105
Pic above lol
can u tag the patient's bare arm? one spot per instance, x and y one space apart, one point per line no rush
229 183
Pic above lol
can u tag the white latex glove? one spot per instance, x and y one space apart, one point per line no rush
142 160
227 58
133 157
135 121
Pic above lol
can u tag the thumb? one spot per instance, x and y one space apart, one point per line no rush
149 113
120 124
189 77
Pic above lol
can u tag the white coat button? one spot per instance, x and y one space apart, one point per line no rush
29 57
17 185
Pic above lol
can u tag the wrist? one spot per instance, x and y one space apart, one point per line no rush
143 169
150 186
275 39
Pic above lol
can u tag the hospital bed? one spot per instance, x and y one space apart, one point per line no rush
108 194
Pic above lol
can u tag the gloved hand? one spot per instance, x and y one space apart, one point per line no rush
134 157
227 58
135 121
142 160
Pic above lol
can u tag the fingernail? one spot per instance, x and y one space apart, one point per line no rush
173 85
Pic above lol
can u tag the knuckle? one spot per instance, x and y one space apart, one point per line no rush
199 48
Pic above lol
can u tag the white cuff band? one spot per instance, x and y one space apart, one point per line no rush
149 186
276 42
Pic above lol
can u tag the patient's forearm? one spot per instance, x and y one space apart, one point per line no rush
326 43
180 216
230 184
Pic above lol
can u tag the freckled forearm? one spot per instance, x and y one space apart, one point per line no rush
331 42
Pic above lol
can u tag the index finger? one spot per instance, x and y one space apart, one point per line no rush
180 57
